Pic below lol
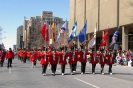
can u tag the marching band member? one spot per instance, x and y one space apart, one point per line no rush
73 58
9 56
53 60
93 60
33 58
38 54
110 60
2 58
24 55
83 59
63 60
44 61
102 60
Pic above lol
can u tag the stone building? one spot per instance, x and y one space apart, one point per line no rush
114 13
19 37
32 27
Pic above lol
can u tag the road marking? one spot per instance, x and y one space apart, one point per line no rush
87 83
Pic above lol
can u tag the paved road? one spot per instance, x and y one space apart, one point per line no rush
23 76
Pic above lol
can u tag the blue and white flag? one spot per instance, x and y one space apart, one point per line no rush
58 36
82 34
73 33
74 29
63 28
114 38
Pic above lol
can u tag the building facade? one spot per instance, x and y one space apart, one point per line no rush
20 36
114 13
31 30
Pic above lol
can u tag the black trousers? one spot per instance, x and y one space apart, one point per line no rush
53 67
21 59
9 64
75 67
72 67
102 68
93 68
110 68
34 63
39 58
44 67
18 57
24 60
1 63
83 66
63 68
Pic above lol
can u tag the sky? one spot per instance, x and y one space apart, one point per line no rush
12 14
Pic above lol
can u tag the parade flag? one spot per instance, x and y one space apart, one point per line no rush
45 32
82 34
73 33
104 38
114 38
63 28
92 40
53 32
58 36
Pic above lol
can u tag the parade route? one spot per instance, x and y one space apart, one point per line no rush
24 76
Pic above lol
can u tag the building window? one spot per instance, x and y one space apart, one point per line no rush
130 40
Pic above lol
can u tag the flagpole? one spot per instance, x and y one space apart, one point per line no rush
95 39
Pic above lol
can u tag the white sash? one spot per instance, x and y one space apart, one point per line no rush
45 57
63 57
111 56
94 57
54 56
83 54
73 56
103 57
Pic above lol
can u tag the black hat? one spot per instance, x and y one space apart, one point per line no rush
93 49
72 48
109 49
82 46
53 49
63 48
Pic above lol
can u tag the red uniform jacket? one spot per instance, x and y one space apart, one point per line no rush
24 54
63 58
33 57
102 59
73 57
10 55
53 57
93 59
82 56
44 59
3 56
110 58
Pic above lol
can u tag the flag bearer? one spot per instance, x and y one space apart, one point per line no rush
110 60
44 61
54 56
83 59
102 60
63 60
73 58
93 60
